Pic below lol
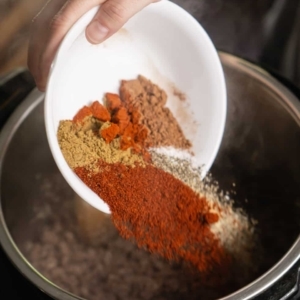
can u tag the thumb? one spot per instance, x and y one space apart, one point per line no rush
112 15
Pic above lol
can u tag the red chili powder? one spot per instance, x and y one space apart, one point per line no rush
160 213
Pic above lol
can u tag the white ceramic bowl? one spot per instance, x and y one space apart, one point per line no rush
165 44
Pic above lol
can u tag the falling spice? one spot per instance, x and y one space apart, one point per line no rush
234 229
160 213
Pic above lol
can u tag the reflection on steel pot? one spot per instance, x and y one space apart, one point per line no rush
70 250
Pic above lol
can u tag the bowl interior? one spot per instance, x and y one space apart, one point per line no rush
163 43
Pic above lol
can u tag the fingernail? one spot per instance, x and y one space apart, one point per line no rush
96 33
41 88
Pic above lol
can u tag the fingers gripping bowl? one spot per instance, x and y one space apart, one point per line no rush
163 43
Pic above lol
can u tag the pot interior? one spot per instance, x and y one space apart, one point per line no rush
77 248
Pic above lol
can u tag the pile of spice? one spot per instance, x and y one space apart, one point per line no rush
132 152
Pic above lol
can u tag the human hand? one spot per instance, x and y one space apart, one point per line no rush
57 17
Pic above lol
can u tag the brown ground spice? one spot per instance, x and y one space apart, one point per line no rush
142 97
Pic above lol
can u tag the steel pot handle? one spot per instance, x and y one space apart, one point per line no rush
14 88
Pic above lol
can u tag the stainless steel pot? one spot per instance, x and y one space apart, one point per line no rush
260 153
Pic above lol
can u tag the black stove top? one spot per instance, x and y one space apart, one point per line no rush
14 284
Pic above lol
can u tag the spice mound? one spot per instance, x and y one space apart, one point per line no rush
132 152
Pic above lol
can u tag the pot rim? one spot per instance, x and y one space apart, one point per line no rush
290 103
